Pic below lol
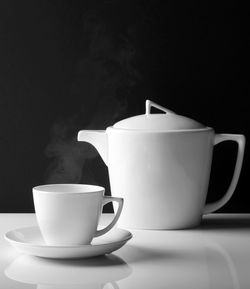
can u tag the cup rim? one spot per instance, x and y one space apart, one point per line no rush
67 188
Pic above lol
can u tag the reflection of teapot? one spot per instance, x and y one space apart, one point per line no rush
160 164
181 260
95 273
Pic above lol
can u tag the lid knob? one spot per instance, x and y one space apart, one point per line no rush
150 103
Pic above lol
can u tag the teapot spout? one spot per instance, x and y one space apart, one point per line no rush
98 138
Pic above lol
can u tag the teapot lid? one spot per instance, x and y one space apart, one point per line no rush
160 121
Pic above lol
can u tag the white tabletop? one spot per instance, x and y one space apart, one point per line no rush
215 255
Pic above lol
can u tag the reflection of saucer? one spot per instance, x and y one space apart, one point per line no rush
99 270
29 241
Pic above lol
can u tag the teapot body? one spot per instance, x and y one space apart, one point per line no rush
160 164
162 176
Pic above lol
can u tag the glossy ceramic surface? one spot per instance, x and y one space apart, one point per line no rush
68 214
214 255
163 175
30 241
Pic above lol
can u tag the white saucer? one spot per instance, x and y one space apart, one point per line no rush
30 241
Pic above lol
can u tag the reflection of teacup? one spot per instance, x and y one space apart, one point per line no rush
94 273
110 285
68 214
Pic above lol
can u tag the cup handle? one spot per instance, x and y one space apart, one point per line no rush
117 215
240 139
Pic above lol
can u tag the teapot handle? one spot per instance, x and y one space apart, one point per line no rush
240 139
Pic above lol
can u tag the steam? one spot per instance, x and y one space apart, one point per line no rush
104 78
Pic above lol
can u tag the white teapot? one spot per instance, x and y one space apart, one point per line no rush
160 164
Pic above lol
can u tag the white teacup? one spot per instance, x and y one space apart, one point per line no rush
68 214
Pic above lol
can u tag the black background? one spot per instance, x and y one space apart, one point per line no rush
70 65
